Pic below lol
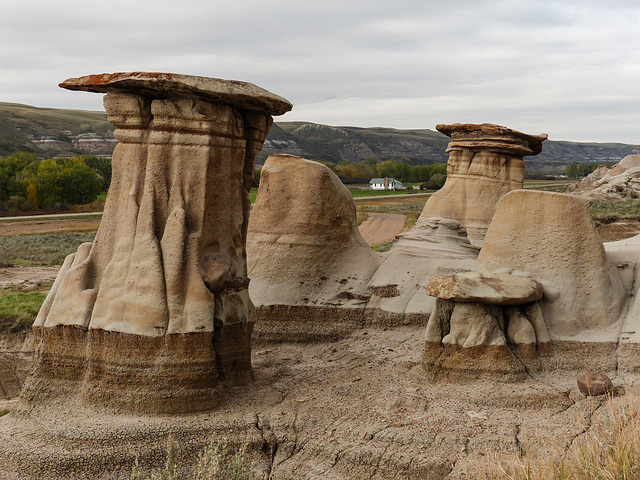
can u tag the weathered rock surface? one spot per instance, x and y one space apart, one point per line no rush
304 248
434 246
319 411
552 237
485 162
620 182
486 288
594 382
156 309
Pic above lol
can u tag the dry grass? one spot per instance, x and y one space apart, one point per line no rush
609 450
611 211
40 250
215 462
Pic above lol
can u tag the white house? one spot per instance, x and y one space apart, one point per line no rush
386 183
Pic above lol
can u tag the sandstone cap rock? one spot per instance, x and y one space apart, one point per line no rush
486 288
494 137
243 95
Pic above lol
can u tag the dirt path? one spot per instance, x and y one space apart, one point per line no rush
381 227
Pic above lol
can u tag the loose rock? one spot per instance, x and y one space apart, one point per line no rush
593 383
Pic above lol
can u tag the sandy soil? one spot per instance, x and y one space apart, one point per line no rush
357 408
15 276
379 228
619 230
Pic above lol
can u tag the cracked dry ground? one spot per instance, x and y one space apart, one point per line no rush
354 409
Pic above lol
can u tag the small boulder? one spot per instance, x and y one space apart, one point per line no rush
594 382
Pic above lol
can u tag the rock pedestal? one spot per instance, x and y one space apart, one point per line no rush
485 162
150 316
476 315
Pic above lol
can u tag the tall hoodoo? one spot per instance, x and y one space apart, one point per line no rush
485 162
149 316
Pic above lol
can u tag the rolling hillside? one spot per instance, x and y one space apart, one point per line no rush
52 132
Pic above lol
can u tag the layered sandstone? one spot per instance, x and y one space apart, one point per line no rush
156 310
485 162
434 246
306 255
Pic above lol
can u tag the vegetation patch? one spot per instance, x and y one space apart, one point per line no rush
18 310
216 462
611 452
41 250
611 211
382 247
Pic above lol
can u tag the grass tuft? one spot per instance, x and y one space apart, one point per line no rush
18 310
611 211
215 462
610 451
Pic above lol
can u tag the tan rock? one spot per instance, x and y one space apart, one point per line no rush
166 276
432 247
485 162
619 182
485 288
552 237
474 324
304 248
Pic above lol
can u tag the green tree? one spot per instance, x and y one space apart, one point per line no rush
60 181
102 166
386 169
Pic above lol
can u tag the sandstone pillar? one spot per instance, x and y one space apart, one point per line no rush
485 162
156 310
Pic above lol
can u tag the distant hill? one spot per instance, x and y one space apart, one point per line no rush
53 132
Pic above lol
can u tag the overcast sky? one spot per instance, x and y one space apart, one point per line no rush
568 68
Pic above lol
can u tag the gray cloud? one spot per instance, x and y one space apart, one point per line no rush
567 67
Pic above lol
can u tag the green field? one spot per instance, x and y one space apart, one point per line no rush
18 310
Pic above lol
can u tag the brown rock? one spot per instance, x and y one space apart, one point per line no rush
594 383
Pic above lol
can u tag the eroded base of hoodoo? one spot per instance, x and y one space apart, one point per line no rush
455 362
314 324
124 372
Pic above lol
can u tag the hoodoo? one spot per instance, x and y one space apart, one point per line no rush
151 315
485 162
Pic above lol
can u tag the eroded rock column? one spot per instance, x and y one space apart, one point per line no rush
156 310
485 162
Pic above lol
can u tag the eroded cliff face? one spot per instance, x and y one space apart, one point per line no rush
149 316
